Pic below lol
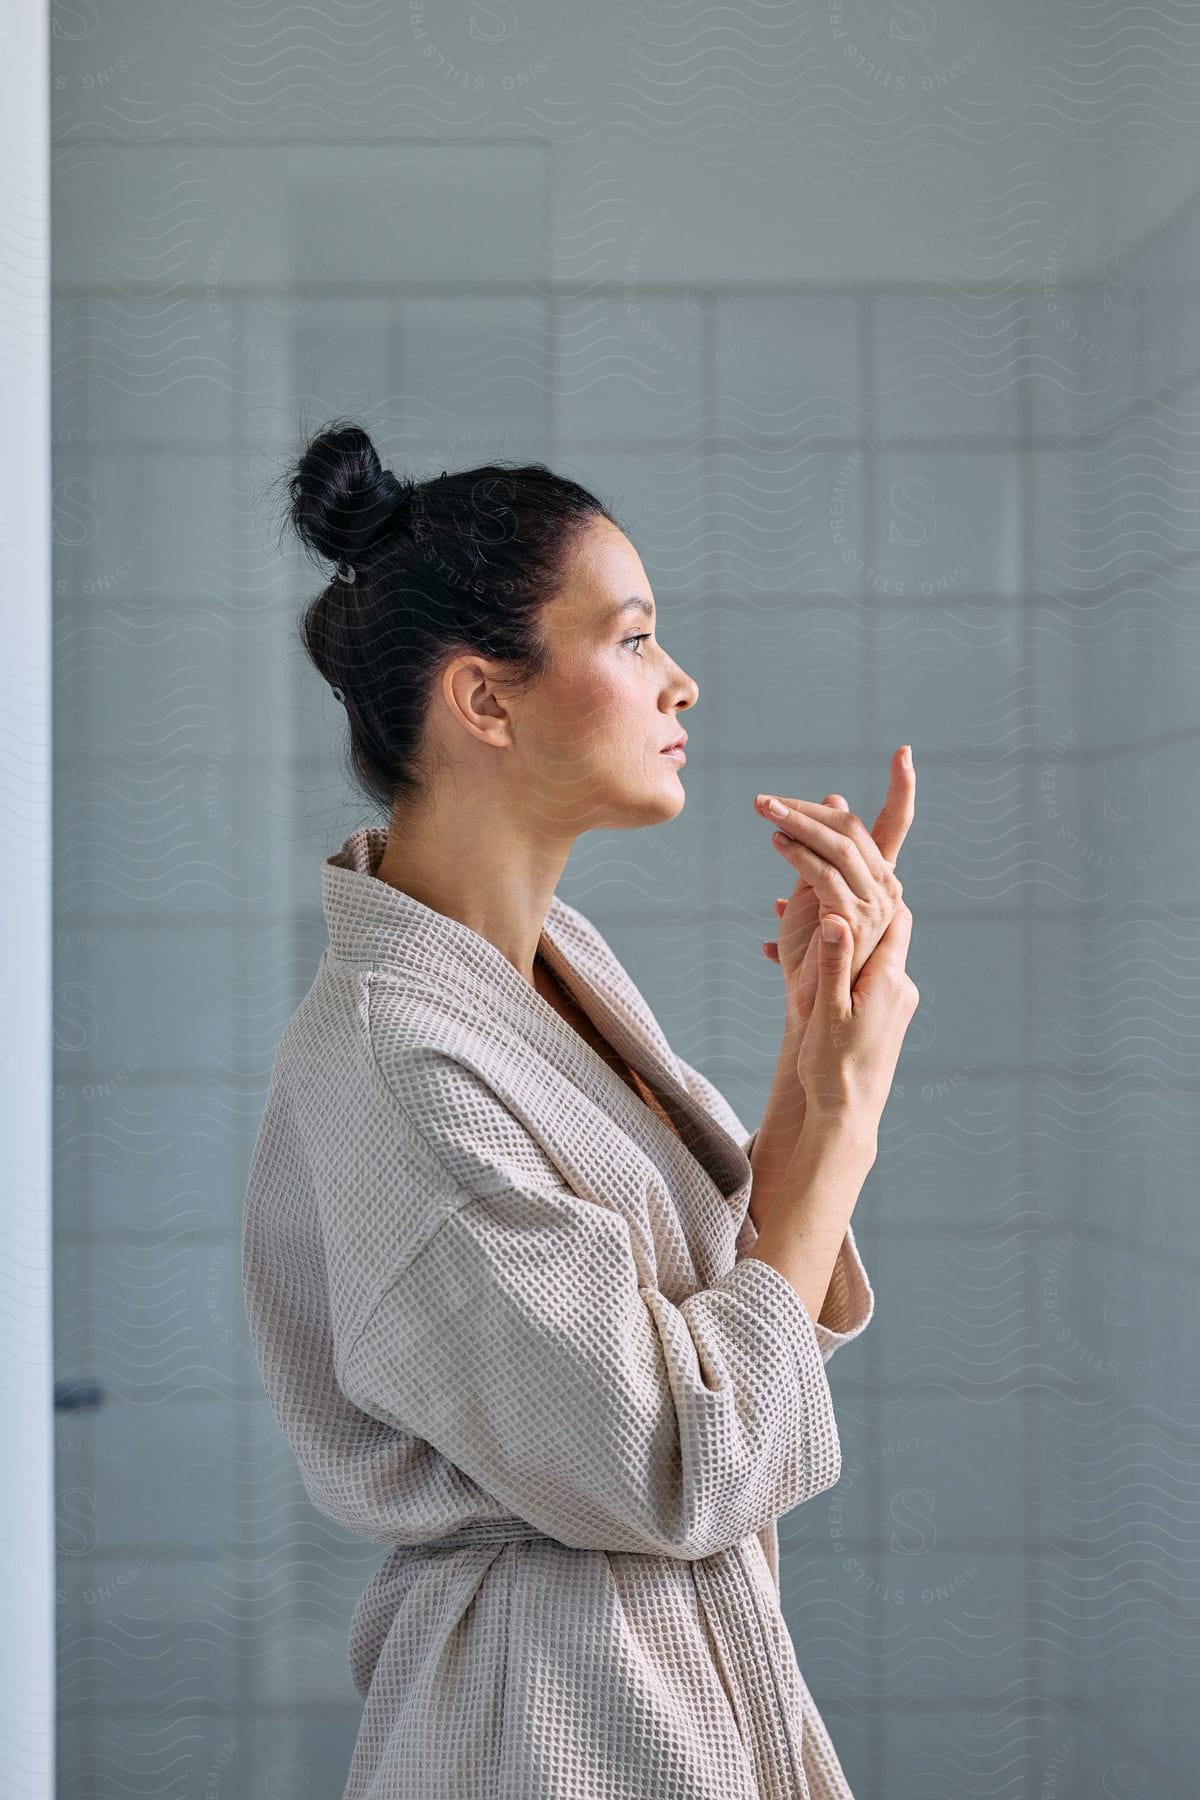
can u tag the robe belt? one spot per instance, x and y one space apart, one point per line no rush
497 1532
473 1536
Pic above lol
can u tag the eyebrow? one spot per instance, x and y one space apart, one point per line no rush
635 602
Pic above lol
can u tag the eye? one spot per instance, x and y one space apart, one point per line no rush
640 638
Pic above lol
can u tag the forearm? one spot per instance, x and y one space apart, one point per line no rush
779 1133
816 1195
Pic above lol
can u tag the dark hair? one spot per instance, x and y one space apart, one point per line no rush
463 562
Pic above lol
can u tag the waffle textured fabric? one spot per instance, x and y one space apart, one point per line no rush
505 1317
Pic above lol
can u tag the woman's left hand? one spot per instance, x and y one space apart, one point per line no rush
844 869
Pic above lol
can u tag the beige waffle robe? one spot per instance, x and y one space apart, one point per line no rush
504 1316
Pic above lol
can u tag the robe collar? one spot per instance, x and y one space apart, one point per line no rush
370 921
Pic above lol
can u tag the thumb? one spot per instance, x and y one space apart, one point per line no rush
834 964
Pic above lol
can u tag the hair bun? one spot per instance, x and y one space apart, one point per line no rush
342 502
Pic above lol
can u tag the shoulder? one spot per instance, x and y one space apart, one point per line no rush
468 1088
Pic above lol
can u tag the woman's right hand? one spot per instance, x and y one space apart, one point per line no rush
850 1050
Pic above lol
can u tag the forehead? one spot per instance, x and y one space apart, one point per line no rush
605 573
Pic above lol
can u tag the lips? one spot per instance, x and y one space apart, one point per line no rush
676 743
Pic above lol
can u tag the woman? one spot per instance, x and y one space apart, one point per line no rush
516 1298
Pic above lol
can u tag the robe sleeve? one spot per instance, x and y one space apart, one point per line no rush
850 1301
521 1343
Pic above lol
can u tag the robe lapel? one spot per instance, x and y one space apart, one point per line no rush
444 960
646 1049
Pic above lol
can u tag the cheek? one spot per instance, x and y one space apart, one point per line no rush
595 713
623 708
605 705
616 731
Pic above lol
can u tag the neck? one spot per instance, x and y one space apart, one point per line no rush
487 882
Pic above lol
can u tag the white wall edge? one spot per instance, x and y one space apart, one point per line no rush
27 1546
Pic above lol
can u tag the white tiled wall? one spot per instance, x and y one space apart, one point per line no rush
868 517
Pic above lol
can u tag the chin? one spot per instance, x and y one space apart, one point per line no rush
641 810
671 796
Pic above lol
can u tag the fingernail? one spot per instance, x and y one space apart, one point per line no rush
906 755
777 809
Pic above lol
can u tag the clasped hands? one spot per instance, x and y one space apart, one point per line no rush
842 868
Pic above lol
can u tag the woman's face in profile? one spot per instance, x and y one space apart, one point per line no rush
613 696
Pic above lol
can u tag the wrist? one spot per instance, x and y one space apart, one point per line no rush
842 1131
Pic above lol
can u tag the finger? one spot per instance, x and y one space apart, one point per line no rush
841 838
801 900
891 827
771 951
838 885
841 845
882 844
